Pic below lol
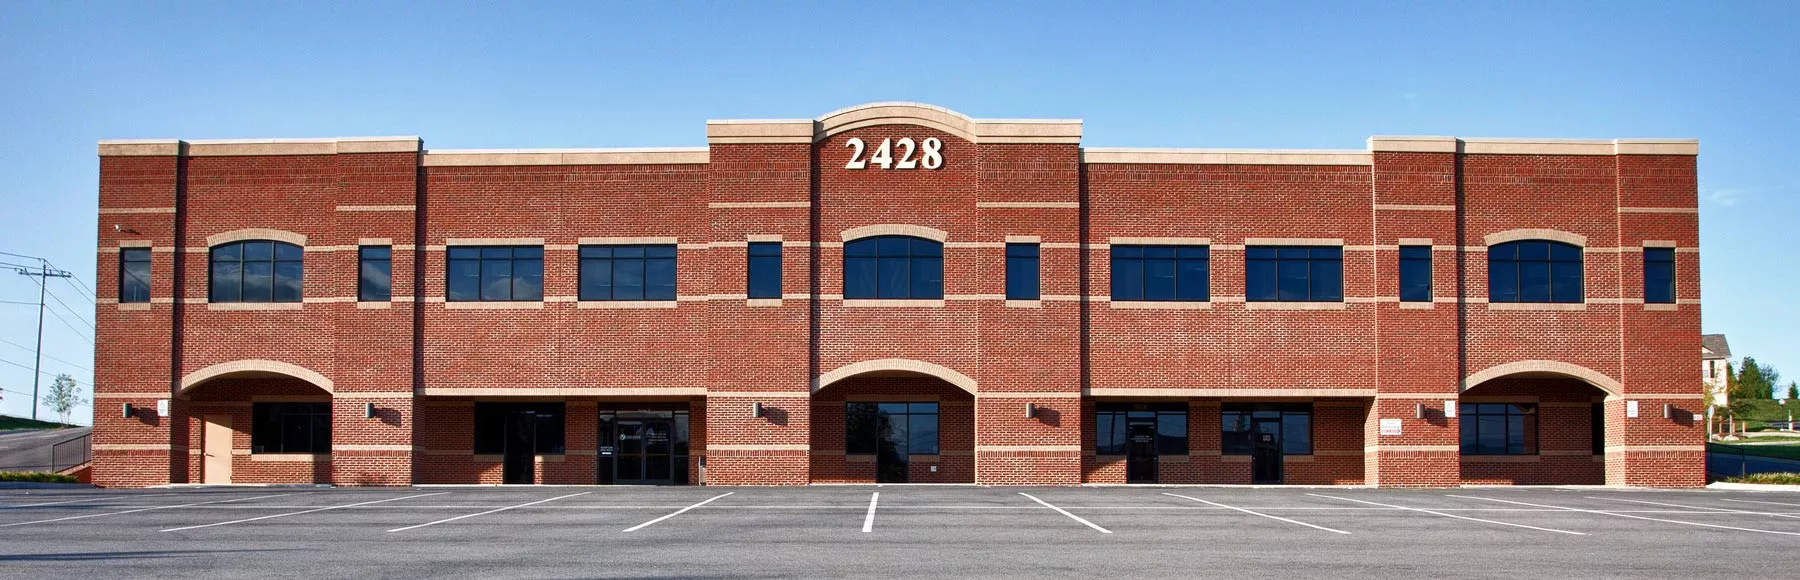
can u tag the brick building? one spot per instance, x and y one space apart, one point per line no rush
897 292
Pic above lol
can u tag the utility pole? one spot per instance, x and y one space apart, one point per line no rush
44 275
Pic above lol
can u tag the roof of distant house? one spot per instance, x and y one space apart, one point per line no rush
1713 346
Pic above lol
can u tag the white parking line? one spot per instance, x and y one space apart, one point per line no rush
1277 518
1454 515
869 520
164 507
1754 501
301 512
1066 513
1726 510
1616 514
677 512
446 520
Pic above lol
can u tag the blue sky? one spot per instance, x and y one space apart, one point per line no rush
542 74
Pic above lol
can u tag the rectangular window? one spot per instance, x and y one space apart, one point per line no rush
1021 271
1498 428
290 427
134 275
1659 275
495 273
912 427
1112 421
1294 274
538 426
764 276
1161 273
1291 422
637 272
1599 428
375 274
1415 273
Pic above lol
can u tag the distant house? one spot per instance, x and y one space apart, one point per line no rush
1715 358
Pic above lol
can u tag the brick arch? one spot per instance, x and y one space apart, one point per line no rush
254 367
256 234
895 113
1586 375
1515 235
906 365
933 234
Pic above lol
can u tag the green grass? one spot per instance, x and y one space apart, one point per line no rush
36 477
1778 451
1764 410
7 423
1767 478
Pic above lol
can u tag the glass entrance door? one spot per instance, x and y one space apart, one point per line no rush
519 457
1140 452
1265 451
645 452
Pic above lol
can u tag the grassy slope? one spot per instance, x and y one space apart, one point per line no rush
23 423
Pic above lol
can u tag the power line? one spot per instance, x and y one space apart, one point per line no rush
65 306
43 372
78 367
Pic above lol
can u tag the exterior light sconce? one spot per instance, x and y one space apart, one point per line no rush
1031 410
127 412
1668 410
756 410
1419 411
368 410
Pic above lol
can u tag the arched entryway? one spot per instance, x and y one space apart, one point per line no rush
257 421
1534 423
893 421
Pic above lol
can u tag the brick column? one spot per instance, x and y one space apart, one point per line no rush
1415 203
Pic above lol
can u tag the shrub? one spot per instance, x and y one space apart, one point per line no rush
1768 478
36 477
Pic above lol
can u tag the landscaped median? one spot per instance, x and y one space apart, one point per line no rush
35 477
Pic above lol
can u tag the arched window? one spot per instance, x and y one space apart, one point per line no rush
1534 271
893 267
256 271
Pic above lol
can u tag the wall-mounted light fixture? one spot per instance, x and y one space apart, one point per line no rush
1031 410
368 410
1419 411
756 410
127 410
1668 410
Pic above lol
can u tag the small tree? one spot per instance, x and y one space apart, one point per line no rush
63 396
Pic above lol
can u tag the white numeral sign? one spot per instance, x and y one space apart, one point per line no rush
930 152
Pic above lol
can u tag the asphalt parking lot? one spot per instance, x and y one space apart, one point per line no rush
896 532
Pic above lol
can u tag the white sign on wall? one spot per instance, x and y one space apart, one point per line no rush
162 407
1390 426
1631 409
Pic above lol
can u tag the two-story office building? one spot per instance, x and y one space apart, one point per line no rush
896 292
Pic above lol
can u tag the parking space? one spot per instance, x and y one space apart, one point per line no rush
876 531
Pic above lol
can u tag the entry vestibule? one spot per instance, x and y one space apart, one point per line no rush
647 446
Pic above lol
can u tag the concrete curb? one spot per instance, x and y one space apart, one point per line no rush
1752 487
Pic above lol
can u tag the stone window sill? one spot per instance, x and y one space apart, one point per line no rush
892 303
624 304
1296 305
1159 305
1538 306
249 306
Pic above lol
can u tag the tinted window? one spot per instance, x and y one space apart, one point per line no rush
1291 422
1112 421
1415 273
764 276
494 273
893 267
912 427
1498 428
1534 271
375 274
1022 272
1161 273
290 428
1294 274
134 275
536 425
634 272
1659 275
255 271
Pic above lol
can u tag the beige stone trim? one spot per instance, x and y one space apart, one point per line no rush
1096 155
1413 242
762 302
1657 146
1661 307
374 242
125 395
1027 448
330 146
625 304
254 366
254 306
1217 393
1066 131
1293 241
1677 210
1590 376
713 394
1538 306
761 447
628 240
895 230
1418 305
132 447
902 365
1605 300
1040 395
973 297
975 245
1157 241
135 210
1412 207
1653 448
1413 448
371 447
892 303
139 147
1027 204
1296 305
1660 244
1491 146
377 208
1024 239
1412 144
758 204
328 299
360 305
1158 305
742 131
507 157
1024 304
289 457
1535 234
448 242
762 238
256 234
560 392
494 305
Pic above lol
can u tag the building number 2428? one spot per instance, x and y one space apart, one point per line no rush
930 153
